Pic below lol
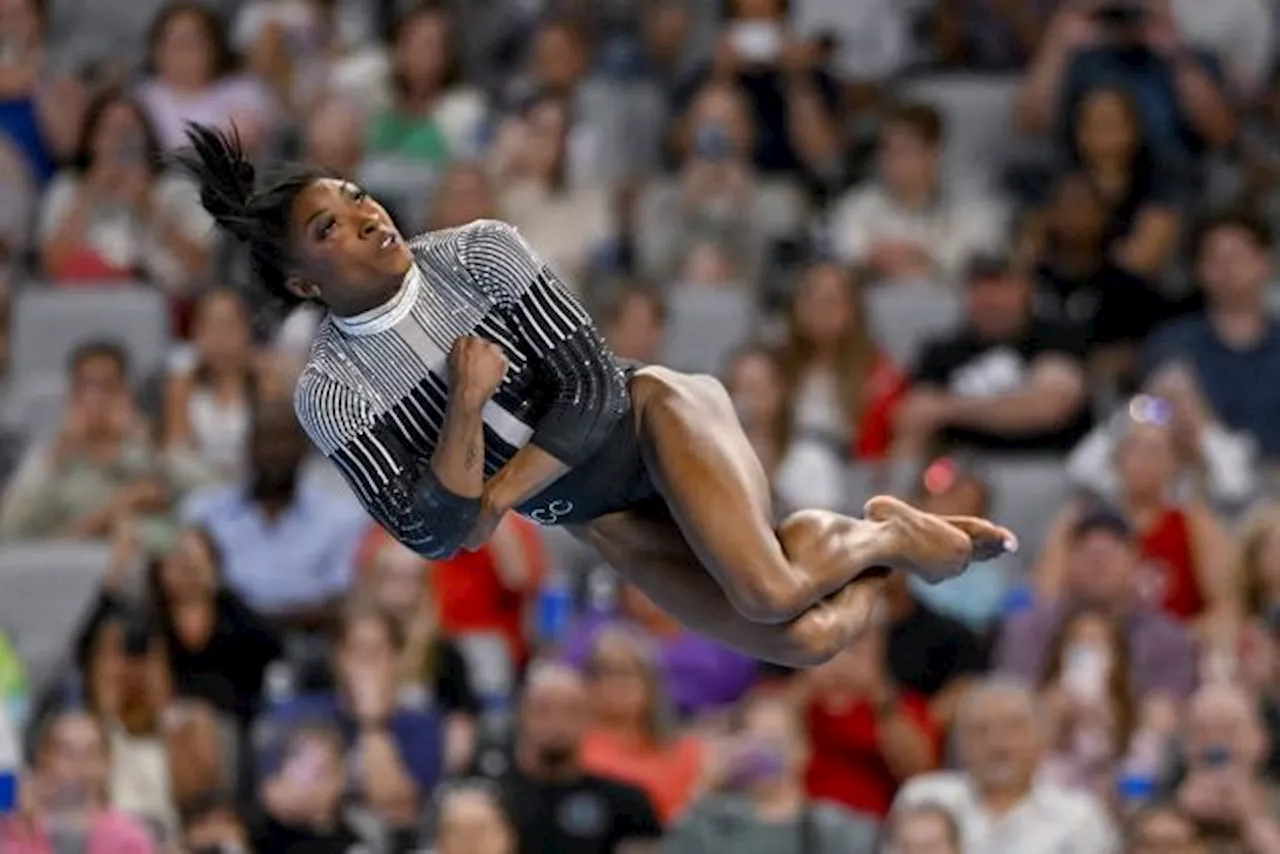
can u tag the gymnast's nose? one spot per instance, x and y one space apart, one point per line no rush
368 226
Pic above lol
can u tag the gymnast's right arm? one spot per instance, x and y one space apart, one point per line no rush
430 507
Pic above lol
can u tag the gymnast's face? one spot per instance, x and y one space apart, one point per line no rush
347 253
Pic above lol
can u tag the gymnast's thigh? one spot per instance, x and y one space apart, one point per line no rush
647 549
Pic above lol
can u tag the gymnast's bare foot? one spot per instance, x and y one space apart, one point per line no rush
935 548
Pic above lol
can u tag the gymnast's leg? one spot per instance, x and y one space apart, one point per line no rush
718 495
651 553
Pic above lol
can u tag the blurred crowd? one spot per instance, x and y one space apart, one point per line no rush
996 256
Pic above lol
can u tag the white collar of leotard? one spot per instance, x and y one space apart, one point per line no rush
388 314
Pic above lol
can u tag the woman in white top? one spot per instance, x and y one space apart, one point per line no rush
193 80
569 222
115 213
207 407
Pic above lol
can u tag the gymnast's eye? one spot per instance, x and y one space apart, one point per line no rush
358 194
326 229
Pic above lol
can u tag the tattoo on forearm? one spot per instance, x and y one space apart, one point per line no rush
472 457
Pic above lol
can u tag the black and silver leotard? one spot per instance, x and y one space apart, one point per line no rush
372 396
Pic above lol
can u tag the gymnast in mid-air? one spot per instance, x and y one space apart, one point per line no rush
455 378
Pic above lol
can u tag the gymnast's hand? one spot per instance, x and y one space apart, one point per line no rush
476 369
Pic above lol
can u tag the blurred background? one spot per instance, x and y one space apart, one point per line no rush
1001 257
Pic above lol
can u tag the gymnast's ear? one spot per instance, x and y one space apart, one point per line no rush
302 288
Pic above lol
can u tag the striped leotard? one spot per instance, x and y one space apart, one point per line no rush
372 396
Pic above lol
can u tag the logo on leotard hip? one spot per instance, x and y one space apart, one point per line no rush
553 512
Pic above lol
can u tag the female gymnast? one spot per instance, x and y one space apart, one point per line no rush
455 378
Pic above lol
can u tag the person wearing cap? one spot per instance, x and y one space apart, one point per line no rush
1102 573
1005 382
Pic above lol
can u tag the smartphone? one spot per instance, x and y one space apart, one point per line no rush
711 142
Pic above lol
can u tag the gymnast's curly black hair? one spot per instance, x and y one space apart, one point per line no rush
259 218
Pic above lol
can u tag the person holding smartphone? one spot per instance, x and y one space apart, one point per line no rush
1223 790
64 801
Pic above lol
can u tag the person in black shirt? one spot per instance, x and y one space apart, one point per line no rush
1005 382
455 378
555 806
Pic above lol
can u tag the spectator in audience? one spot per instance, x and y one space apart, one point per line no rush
480 592
99 467
117 214
765 809
1223 791
700 677
1136 46
64 804
211 823
400 748
793 96
1087 697
1257 574
923 829
557 807
632 737
1217 465
430 117
288 547
1067 242
801 473
870 735
22 197
950 487
842 391
571 223
39 113
1143 193
194 80
207 405
997 798
334 138
633 323
432 672
302 799
981 36
1162 829
616 133
470 819
716 196
1233 342
1006 382
1186 552
1103 570
218 648
465 194
163 750
908 225
929 654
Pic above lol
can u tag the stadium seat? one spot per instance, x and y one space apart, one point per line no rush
978 111
904 317
49 323
1026 496
704 325
47 589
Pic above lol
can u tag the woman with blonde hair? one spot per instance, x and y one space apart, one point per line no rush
632 738
1246 650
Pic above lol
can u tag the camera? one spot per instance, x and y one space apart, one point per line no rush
1120 16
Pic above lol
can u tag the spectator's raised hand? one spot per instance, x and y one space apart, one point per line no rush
1074 26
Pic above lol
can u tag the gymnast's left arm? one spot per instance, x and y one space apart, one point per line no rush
590 388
